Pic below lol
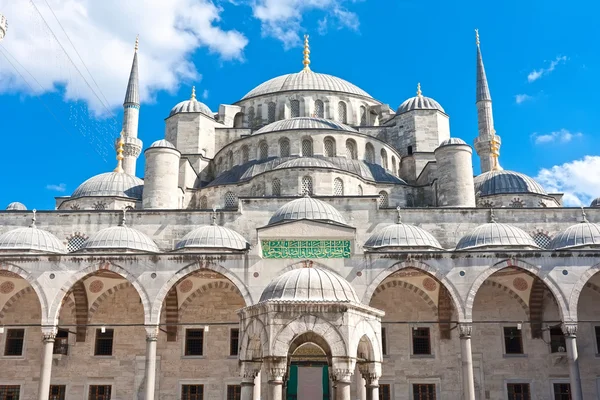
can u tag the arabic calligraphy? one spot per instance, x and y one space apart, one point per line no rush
306 249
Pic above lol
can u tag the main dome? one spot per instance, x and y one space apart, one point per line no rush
305 162
495 235
307 208
16 206
213 236
304 123
309 284
305 80
502 182
117 184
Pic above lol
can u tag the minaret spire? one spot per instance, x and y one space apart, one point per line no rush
306 52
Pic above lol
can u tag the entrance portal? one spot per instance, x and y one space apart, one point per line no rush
308 376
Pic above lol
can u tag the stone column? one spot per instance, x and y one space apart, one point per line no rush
276 368
570 332
257 386
467 361
371 372
343 380
150 373
48 334
249 370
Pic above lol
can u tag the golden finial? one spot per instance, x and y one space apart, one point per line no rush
306 53
419 93
193 93
477 36
120 145
137 43
495 152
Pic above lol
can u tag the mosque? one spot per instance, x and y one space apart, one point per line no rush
305 242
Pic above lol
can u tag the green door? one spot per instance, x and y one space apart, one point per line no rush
292 384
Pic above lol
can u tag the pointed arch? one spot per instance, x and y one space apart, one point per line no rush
254 343
206 288
399 283
330 334
81 310
14 298
577 288
41 295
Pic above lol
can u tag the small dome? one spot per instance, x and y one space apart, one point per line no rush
118 184
595 202
495 235
163 143
452 141
304 123
502 182
419 102
213 236
403 236
309 284
120 238
307 208
31 239
16 206
584 234
305 162
192 106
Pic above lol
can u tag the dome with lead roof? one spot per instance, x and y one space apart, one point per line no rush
452 141
310 284
16 206
305 162
31 239
109 184
494 235
304 123
419 102
120 237
505 182
582 235
402 236
595 202
192 106
307 208
162 143
213 236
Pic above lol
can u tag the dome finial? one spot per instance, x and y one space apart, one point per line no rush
137 43
193 97
123 218
492 216
214 215
120 145
583 216
33 218
419 93
306 53
399 217
495 151
477 37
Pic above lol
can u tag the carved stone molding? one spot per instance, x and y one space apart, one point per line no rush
465 330
151 332
569 329
250 370
49 333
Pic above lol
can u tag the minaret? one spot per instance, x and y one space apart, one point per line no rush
3 26
306 52
487 143
131 114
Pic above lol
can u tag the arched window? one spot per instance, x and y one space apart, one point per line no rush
351 149
271 112
284 147
251 117
203 203
542 240
342 112
319 109
384 160
338 187
100 206
276 187
238 120
220 165
230 200
307 148
399 168
229 159
263 150
253 191
363 115
370 153
294 108
360 190
394 167
245 154
517 203
384 200
307 185
329 147
259 115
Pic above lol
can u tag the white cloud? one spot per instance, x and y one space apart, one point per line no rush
578 179
282 19
520 98
205 94
61 187
104 32
561 136
538 73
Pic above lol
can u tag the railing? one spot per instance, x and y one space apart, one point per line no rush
61 346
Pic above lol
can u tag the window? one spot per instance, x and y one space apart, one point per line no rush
383 199
234 392
557 340
542 240
245 154
384 341
57 392
251 117
597 332
238 120
329 147
518 391
99 392
100 206
423 391
319 109
9 392
276 187
203 202
14 342
307 185
271 113
104 342
385 392
234 341
342 112
409 150
230 200
263 150
284 147
61 342
394 167
562 391
421 342
194 342
259 115
294 108
360 190
192 392
517 203
369 153
384 160
220 165
75 242
513 341
363 116
307 148
338 187
351 149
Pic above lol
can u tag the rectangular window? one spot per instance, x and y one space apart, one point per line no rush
421 341
192 392
513 341
57 392
194 342
597 332
14 342
557 341
423 391
385 392
61 342
234 392
562 391
518 391
384 341
9 392
104 342
100 392
234 341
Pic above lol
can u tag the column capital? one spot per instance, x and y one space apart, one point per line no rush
276 368
49 333
370 371
465 330
151 332
342 374
569 329
250 369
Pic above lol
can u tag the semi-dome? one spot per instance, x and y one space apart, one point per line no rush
304 123
16 206
118 184
595 202
307 208
309 284
31 239
503 182
163 143
306 162
419 102
192 106
213 236
452 141
120 238
305 80
402 236
495 235
584 234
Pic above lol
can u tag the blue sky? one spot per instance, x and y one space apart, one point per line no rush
541 60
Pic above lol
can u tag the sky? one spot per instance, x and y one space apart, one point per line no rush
64 66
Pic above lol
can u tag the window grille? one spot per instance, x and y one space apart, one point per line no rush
329 145
421 341
100 392
284 147
104 342
562 391
251 117
369 153
557 340
230 200
263 151
192 392
360 190
14 342
518 391
229 159
203 203
383 199
245 154
74 207
75 242
234 392
394 167
542 240
100 206
513 340
338 187
61 342
342 112
350 149
194 342
271 113
10 392
234 341
384 160
363 115
319 109
57 392
276 187
423 391
384 341
295 108
385 391
517 203
307 185
259 114
307 148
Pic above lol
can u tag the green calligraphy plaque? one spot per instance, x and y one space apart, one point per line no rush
306 249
